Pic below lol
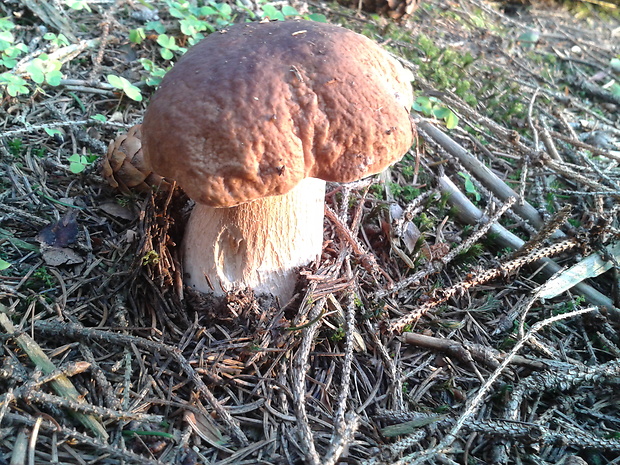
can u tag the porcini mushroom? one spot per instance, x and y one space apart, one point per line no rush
251 122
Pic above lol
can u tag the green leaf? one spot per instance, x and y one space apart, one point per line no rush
77 163
288 10
127 87
8 63
478 21
424 105
14 84
6 40
208 11
155 26
133 93
176 12
6 24
116 81
4 264
441 112
58 40
11 53
52 132
78 5
5 234
61 39
36 70
224 9
451 120
271 12
318 17
529 39
99 117
136 36
77 167
469 186
166 54
53 78
167 41
147 64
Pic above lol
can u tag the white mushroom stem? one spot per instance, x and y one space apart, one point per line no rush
258 245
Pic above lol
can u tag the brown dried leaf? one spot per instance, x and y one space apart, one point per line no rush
56 256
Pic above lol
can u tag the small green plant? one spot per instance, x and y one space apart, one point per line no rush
406 388
569 305
470 188
52 132
4 264
6 24
9 50
78 163
318 17
10 53
13 84
407 170
478 19
156 26
424 222
43 69
156 74
443 67
59 40
529 39
123 201
168 46
41 278
273 13
125 86
15 146
193 28
442 409
137 36
407 192
78 5
432 106
470 255
338 335
150 258
378 191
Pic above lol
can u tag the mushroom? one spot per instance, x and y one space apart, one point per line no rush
251 122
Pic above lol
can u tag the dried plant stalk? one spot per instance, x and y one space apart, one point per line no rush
61 384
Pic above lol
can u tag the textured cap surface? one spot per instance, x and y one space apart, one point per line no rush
250 111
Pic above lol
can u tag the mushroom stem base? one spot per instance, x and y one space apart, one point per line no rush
258 245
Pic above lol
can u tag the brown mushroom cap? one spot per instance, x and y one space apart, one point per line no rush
250 111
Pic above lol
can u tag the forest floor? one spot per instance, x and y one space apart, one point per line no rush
466 308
